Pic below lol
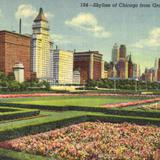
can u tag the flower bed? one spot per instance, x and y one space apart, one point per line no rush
134 103
92 141
70 94
152 106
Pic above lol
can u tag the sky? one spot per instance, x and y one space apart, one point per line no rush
92 28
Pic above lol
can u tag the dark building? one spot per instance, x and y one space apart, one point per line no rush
130 67
15 48
122 51
89 64
158 71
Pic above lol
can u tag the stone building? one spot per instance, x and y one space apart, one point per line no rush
90 65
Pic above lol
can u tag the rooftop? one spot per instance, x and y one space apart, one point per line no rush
88 52
40 16
15 33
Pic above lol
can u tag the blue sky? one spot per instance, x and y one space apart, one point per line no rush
92 28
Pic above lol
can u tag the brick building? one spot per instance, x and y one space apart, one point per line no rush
90 65
15 48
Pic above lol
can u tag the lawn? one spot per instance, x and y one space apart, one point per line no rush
86 101
50 120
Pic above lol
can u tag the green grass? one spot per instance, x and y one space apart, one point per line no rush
47 118
86 101
18 155
8 113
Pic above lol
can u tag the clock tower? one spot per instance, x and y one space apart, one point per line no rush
41 46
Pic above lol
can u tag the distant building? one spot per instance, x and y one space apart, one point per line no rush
15 48
130 67
122 51
41 46
90 65
62 67
158 71
122 68
115 53
136 71
149 74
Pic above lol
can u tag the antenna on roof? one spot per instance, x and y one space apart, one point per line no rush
20 26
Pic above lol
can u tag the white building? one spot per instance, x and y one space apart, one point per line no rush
62 70
136 71
115 53
41 46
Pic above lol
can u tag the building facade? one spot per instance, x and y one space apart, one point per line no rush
130 68
136 71
122 51
115 53
90 65
62 70
158 71
41 46
15 48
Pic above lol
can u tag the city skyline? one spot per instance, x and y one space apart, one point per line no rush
100 27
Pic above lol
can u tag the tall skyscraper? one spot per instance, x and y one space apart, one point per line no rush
130 67
158 71
122 51
136 71
41 46
62 67
115 53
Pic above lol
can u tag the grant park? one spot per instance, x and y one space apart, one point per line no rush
79 80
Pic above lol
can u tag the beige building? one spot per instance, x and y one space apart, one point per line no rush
41 46
62 70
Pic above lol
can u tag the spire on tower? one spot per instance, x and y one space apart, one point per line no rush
40 16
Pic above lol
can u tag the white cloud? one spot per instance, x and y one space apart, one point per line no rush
88 22
60 39
153 39
28 11
25 11
49 15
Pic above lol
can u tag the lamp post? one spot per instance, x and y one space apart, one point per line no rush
114 84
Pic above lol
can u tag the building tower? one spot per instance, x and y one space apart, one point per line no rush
122 51
41 46
158 71
115 53
130 67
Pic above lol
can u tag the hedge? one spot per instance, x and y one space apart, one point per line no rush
115 111
6 154
47 126
38 128
14 113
